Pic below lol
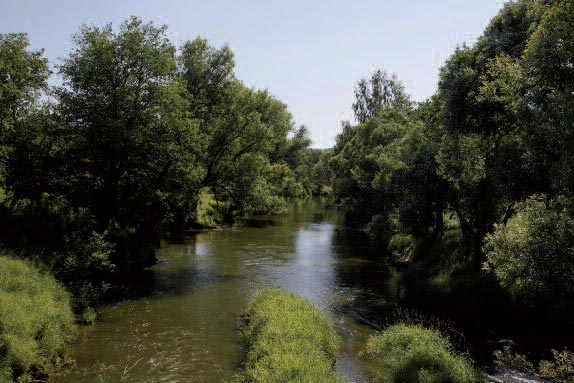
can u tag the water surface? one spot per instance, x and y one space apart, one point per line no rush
178 324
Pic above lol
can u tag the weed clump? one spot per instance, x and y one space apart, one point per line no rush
406 353
36 321
289 341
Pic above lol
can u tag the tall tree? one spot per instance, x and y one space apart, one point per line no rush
23 75
377 93
127 133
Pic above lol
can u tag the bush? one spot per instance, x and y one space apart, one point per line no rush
289 341
36 321
208 211
533 255
411 353
561 369
62 239
514 361
402 246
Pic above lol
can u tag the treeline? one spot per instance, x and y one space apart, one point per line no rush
140 140
480 177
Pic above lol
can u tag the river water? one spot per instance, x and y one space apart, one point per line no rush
177 321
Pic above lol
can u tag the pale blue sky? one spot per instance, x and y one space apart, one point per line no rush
308 53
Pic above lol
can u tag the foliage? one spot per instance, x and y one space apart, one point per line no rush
36 321
126 139
411 353
288 340
532 255
561 369
548 67
134 144
24 74
208 210
378 93
67 245
514 361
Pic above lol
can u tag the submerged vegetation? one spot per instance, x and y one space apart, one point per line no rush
288 341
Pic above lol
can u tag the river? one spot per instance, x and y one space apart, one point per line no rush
177 321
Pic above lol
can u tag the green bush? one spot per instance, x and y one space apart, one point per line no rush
36 321
402 246
289 341
533 255
208 210
63 240
411 353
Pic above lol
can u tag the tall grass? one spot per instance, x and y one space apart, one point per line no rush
407 353
289 341
36 321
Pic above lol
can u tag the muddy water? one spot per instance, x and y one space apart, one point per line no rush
177 322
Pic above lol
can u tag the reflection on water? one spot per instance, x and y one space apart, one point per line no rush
178 323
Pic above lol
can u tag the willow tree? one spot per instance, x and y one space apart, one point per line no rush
128 138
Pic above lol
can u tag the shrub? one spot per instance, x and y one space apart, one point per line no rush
62 239
533 255
514 361
402 246
561 369
208 214
36 321
289 341
411 353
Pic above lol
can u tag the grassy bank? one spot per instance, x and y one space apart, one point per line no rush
289 341
411 353
36 321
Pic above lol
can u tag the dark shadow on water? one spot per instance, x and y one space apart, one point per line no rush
257 221
151 282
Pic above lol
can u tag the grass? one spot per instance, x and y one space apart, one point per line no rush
407 353
36 321
289 341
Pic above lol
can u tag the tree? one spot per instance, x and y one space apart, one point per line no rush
378 93
23 75
482 152
241 130
129 143
549 59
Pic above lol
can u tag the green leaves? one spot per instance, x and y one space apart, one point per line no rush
378 93
532 255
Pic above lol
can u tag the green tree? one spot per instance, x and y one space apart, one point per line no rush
128 138
378 93
241 130
23 75
550 80
482 154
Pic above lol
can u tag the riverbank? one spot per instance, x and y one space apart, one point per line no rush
36 321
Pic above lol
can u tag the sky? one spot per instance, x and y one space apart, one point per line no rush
309 54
